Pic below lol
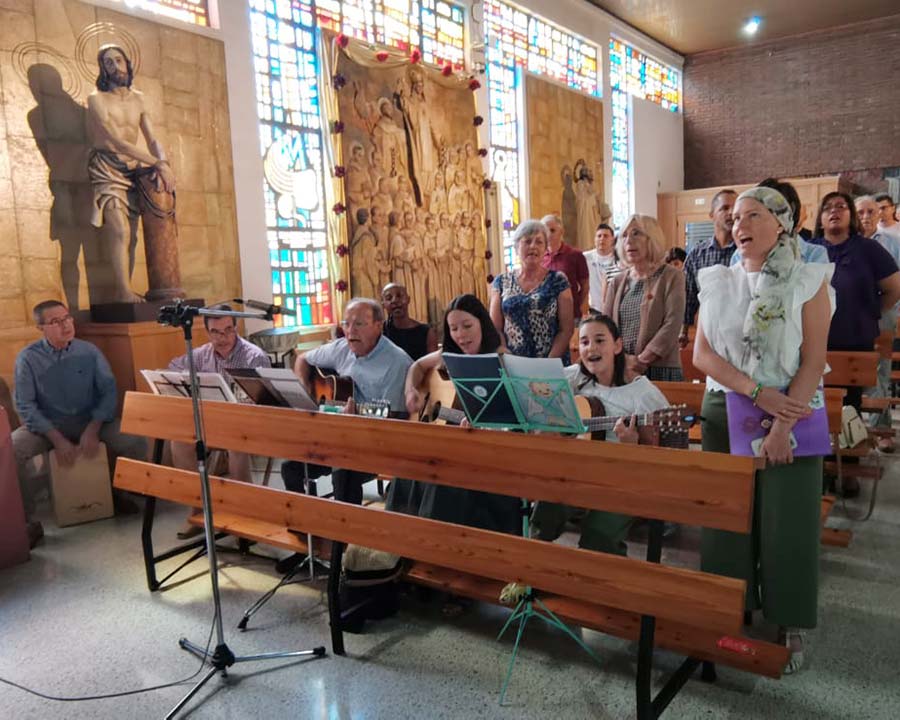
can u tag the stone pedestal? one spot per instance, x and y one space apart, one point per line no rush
134 312
132 347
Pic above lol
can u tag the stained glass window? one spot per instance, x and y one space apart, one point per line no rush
633 72
195 12
515 42
436 27
291 146
291 140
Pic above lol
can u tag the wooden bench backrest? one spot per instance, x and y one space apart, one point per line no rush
686 596
707 489
691 394
852 369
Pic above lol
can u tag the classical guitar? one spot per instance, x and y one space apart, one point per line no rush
667 427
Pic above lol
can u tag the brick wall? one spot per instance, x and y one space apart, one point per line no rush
815 104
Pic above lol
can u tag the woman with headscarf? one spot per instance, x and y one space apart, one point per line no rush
762 332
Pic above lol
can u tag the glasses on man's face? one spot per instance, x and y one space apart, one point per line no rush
836 207
60 321
356 324
221 334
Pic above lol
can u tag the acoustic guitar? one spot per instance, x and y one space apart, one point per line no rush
439 393
332 391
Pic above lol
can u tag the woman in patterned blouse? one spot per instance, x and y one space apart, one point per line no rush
532 307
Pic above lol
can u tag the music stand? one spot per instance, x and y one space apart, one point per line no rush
495 395
279 388
180 315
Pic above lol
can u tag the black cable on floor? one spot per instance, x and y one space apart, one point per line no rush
124 693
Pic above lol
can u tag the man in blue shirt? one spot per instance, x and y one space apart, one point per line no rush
376 366
716 251
65 395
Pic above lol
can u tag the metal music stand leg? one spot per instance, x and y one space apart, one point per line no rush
222 657
289 578
525 610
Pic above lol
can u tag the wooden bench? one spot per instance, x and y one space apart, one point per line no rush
683 610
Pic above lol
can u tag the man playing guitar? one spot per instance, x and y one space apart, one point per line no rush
376 366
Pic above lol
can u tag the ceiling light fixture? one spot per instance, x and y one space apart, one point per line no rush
752 25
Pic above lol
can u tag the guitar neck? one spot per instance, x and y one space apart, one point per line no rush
596 424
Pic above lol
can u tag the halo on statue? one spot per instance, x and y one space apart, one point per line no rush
104 33
26 54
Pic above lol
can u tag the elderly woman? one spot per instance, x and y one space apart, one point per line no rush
532 307
762 332
647 302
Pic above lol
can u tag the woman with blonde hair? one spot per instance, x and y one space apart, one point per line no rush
647 301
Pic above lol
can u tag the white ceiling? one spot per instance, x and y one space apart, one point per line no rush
693 26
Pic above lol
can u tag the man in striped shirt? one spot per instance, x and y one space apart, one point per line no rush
226 350
716 251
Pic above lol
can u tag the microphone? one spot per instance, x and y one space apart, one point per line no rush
267 308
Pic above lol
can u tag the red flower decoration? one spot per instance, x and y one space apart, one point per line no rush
474 84
343 40
342 250
487 184
415 56
337 127
341 285
488 254
482 152
447 70
338 208
338 81
339 171
381 56
490 278
477 120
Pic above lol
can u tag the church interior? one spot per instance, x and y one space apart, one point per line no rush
261 257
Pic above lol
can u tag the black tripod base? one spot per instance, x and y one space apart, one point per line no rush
222 658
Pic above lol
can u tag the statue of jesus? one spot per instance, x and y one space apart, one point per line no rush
116 114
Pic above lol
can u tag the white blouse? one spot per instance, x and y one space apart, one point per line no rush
637 397
724 302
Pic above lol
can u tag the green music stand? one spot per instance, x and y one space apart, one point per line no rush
526 404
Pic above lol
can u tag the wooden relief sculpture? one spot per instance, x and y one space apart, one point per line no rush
413 185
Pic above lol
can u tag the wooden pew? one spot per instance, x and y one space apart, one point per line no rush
691 395
683 610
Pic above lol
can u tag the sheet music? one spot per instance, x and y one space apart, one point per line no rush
286 384
178 384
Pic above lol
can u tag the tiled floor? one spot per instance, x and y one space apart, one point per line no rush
78 619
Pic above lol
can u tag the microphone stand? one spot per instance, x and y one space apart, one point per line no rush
180 315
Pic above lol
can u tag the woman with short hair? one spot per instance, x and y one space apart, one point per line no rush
532 307
647 301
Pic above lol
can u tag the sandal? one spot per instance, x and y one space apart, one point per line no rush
793 640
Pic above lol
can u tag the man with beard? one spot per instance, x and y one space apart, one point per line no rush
715 251
416 338
115 115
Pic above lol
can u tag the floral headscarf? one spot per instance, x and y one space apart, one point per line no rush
765 321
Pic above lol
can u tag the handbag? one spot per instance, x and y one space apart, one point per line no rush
853 429
749 424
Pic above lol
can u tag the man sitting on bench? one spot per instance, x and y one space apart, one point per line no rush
66 398
226 350
376 366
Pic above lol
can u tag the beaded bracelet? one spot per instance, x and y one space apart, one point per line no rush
756 391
